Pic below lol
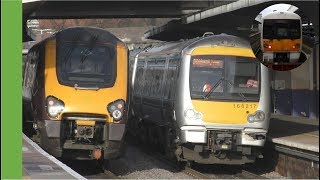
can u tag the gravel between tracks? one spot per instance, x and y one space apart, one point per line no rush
137 165
273 175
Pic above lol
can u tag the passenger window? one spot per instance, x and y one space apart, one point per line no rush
149 74
31 68
39 74
168 82
158 77
171 78
147 81
24 62
139 83
131 62
152 78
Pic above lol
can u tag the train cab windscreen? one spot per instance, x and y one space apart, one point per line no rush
224 78
281 29
86 65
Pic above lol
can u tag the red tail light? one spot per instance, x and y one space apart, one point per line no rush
267 46
296 46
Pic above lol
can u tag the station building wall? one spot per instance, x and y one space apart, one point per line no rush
296 92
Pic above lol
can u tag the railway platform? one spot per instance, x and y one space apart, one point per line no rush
296 132
293 146
38 164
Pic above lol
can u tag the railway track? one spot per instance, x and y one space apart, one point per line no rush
91 169
94 172
228 173
249 175
195 174
104 175
175 166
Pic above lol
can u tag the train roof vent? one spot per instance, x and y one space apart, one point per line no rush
207 34
147 48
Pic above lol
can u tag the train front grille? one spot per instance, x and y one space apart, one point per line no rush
84 128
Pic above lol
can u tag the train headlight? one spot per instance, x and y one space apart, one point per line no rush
256 117
192 114
116 109
116 114
54 106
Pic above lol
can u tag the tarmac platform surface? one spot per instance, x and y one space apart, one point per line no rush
38 164
296 132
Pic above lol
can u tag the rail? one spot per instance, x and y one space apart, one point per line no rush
110 175
105 174
187 170
249 175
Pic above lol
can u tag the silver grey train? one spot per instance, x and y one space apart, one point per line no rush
204 100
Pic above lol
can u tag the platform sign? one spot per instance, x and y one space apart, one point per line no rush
198 62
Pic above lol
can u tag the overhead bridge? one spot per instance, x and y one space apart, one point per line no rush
41 9
234 18
111 9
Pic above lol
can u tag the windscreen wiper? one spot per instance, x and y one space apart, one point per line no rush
213 88
77 87
239 93
69 52
87 51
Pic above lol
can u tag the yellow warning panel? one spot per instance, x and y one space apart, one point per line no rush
85 123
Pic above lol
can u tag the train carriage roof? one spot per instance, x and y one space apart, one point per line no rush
82 34
214 40
87 34
281 15
221 40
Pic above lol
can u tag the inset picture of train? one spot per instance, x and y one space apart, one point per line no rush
281 40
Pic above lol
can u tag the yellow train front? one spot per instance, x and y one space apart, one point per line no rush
204 100
281 37
77 81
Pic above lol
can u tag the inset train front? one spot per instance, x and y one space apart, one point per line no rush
204 100
77 83
281 37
